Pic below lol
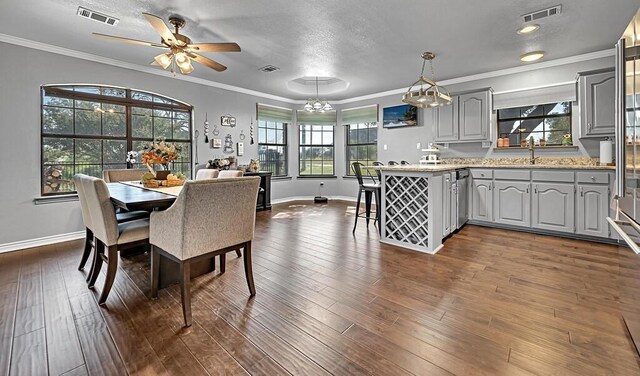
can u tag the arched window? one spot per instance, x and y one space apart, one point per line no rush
87 129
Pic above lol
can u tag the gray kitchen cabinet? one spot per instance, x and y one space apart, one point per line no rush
474 110
597 107
553 207
446 122
446 204
592 210
512 203
481 200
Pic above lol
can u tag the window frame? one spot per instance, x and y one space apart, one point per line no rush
542 118
285 145
348 144
69 92
332 146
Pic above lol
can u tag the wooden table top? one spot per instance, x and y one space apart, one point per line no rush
131 198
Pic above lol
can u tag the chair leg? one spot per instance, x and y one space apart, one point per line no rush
155 271
367 205
185 291
355 223
248 271
97 262
238 253
223 263
379 210
112 267
88 245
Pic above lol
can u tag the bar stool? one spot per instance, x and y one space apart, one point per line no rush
378 172
393 163
368 189
404 163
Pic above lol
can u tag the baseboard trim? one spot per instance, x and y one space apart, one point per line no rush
285 200
38 242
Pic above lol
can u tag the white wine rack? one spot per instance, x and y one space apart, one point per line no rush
406 206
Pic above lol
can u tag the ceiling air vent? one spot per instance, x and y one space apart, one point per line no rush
102 18
542 13
269 68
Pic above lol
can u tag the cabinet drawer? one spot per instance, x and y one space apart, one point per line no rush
481 173
595 177
503 174
556 176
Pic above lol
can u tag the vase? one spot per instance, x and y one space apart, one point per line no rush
162 174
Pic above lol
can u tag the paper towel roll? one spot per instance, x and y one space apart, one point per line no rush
606 152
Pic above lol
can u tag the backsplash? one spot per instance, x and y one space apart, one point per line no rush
566 161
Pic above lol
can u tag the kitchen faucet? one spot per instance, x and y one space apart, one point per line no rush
532 157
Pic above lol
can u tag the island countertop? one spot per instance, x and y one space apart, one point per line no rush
512 163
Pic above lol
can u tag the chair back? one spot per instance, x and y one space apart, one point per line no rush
131 174
103 214
404 163
357 169
231 174
208 224
207 173
378 172
86 214
393 163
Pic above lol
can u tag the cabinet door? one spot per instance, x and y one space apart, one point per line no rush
553 206
597 94
592 211
446 204
445 122
512 203
474 116
481 200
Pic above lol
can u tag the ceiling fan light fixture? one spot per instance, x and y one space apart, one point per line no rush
164 60
186 68
425 93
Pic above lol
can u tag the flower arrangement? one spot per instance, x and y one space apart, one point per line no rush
160 152
132 157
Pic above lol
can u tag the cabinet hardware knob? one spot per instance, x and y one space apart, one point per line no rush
593 178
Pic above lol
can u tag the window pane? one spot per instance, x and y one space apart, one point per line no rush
141 96
57 120
530 111
557 108
161 127
558 124
181 129
114 124
87 105
555 138
113 92
141 126
59 102
141 111
114 151
88 122
87 89
509 113
271 136
57 150
88 151
162 113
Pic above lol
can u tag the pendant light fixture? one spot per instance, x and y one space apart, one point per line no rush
425 93
317 105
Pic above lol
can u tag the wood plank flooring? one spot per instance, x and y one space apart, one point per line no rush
491 302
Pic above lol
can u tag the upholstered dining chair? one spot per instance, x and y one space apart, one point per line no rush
131 174
184 234
230 174
107 232
207 173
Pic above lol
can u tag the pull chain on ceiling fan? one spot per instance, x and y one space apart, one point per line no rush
181 51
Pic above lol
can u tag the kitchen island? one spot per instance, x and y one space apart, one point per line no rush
422 204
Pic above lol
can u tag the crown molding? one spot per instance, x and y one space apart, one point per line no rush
145 69
498 73
10 39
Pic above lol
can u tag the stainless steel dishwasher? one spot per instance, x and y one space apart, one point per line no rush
461 197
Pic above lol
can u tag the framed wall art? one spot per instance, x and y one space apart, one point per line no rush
400 116
216 143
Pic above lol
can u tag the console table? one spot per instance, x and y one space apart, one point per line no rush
264 196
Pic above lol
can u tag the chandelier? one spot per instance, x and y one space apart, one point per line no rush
425 93
173 58
317 105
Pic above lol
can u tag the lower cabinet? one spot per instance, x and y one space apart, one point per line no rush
553 207
592 210
446 204
511 203
481 200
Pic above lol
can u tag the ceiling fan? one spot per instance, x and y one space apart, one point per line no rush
181 50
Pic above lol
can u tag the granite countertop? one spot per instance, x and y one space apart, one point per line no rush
449 164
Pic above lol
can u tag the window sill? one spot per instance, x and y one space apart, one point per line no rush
350 177
281 178
55 199
316 177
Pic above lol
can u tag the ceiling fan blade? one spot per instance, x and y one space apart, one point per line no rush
128 40
208 62
160 27
214 47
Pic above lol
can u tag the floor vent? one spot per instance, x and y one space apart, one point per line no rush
542 13
102 18
269 68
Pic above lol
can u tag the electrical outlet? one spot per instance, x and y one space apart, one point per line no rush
418 145
322 184
384 146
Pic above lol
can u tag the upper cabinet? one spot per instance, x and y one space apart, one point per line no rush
597 108
467 119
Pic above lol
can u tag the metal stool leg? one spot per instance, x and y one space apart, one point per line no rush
355 223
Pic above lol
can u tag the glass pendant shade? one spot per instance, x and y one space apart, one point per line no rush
164 60
186 68
425 93
315 104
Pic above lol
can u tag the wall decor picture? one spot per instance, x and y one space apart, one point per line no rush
400 116
228 145
216 143
227 121
240 149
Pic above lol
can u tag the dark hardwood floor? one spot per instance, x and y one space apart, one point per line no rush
492 302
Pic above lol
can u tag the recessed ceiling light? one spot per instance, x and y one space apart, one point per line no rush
532 56
526 29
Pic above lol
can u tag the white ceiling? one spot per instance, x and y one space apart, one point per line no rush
375 45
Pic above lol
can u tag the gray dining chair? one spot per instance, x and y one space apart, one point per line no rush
131 174
230 174
207 173
183 233
107 232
